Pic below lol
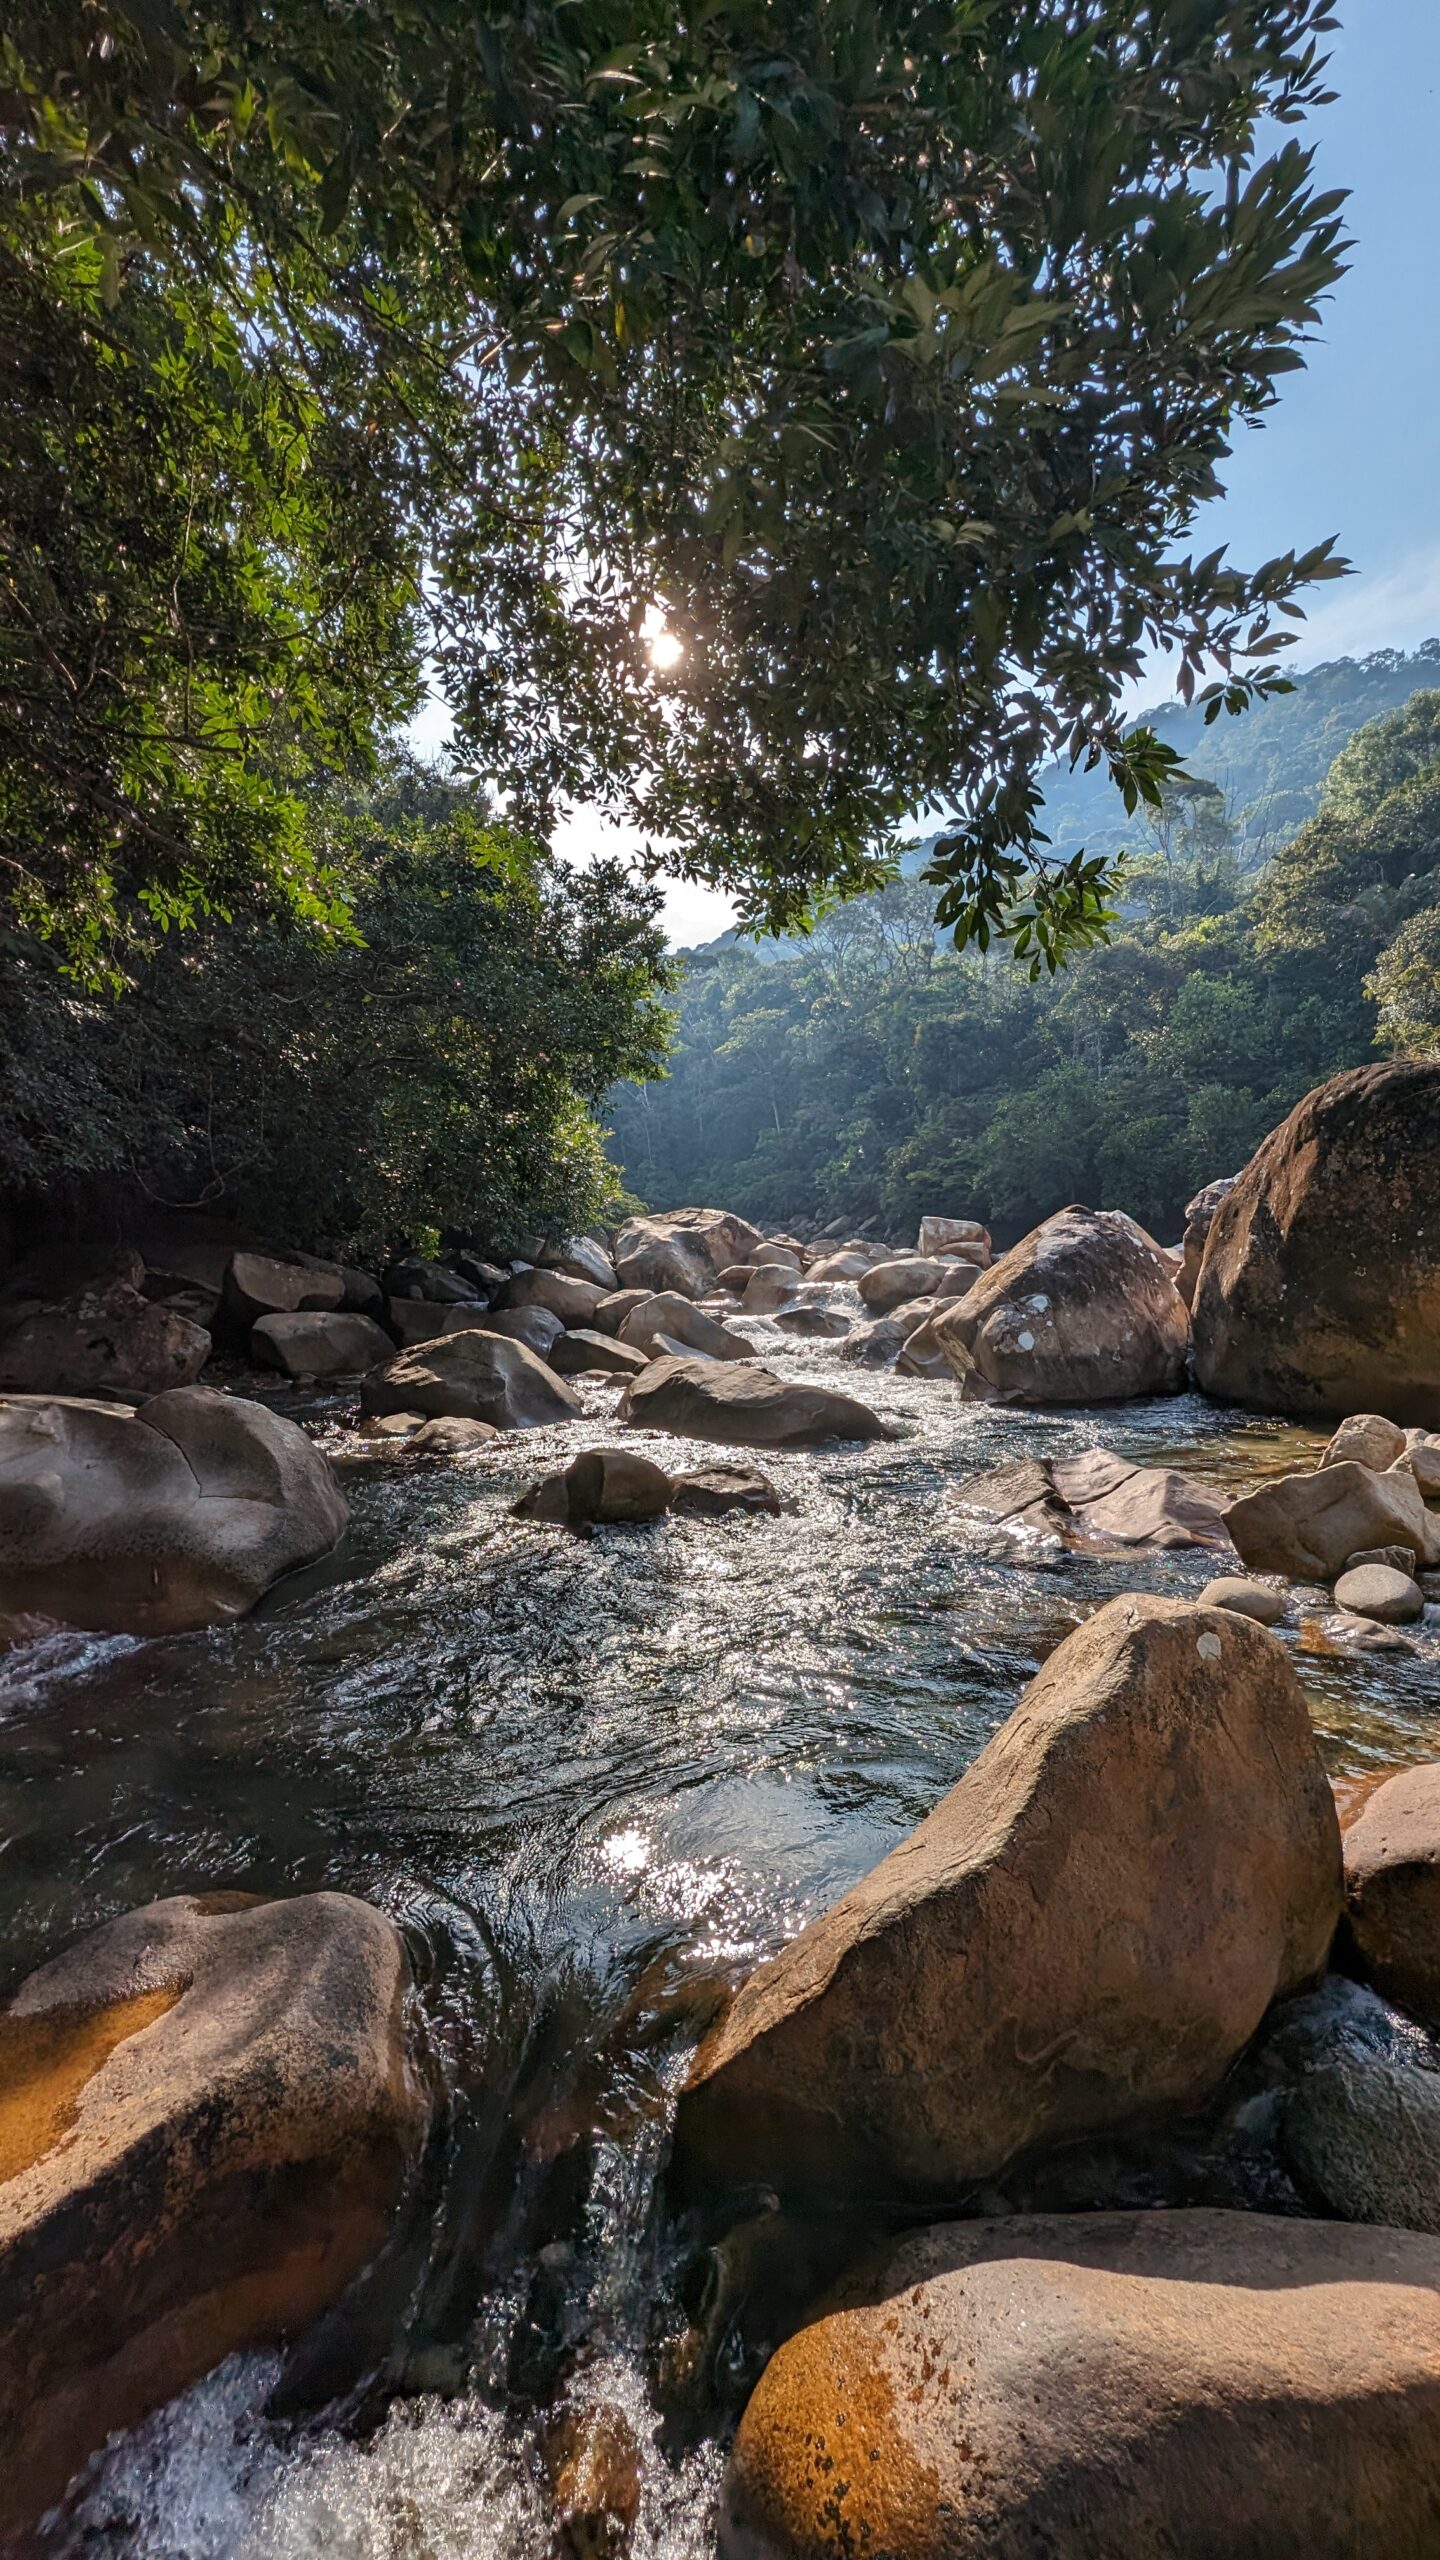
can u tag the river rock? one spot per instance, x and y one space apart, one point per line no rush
1082 1311
1320 1288
878 1345
1095 1495
319 1346
581 1258
450 1435
680 1321
713 1492
1308 1526
573 1301
895 1284
539 1328
601 1487
744 1404
270 1284
1367 1438
776 1257
1247 1599
612 1311
814 1324
686 1250
1082 1936
1087 2386
1399 1559
1378 1591
1422 1457
411 1320
920 1355
576 1353
1365 2143
840 1266
147 1522
769 1289
483 1376
1392 1889
206 2118
105 1339
594 2461
936 1234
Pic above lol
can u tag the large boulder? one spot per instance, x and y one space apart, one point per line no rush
743 1404
878 1345
581 1258
206 2118
612 1311
686 1250
484 1377
1084 1310
1087 2386
682 1321
1310 1525
573 1301
416 1277
840 1266
769 1288
319 1346
175 1515
938 1233
536 1326
1392 1889
1367 1438
272 1284
600 1488
1082 1936
109 1339
1320 1288
1198 1214
897 1283
576 1352
1096 1497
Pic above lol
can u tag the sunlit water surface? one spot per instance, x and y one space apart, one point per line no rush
590 1779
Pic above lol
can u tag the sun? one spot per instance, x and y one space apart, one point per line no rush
666 647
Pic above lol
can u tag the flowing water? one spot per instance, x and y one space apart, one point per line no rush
592 1780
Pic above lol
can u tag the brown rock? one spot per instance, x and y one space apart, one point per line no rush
1377 1591
685 1250
1307 1525
1320 1288
267 1284
1422 1457
319 1346
108 1339
207 2114
937 1234
1198 1214
812 1323
1247 1599
1082 1937
412 1320
582 1259
573 1301
1081 1311
767 1290
1106 2386
450 1435
536 1326
879 1345
744 1404
612 1311
682 1322
593 2460
1367 1438
840 1266
896 1283
602 1487
713 1492
580 1354
482 1376
1097 1496
1392 1889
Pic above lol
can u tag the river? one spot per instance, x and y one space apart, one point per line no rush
591 1779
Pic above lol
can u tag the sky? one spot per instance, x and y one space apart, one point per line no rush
1352 448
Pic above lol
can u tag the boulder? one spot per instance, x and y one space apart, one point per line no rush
363 1293
319 1346
270 1284
484 1377
744 1404
1247 1599
576 1353
776 1257
146 1522
1308 1526
1097 1497
1320 1288
602 1487
815 1324
1365 2143
1422 1457
920 1355
732 1280
573 1301
1378 1591
1082 1311
415 1277
388 1426
896 1283
879 1345
108 1339
938 1233
680 1321
536 1326
1087 2386
420 1320
1367 1438
1082 1936
1198 1214
581 1258
769 1289
840 1266
612 1311
595 2465
450 1435
206 2120
713 1492
685 1250
1392 1889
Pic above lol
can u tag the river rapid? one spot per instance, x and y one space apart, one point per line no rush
593 1780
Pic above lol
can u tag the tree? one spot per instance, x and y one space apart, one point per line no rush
1405 987
891 351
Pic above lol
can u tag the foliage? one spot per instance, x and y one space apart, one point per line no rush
871 1072
892 350
440 1071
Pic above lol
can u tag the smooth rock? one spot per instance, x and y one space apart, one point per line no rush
1082 1311
1365 2144
1377 1591
307 1345
206 2118
581 1258
769 1289
1105 2387
776 1257
1306 1526
573 1301
1422 1457
601 1487
1392 1889
108 1338
814 1324
1083 1935
937 1233
484 1377
1247 1599
148 1522
840 1266
680 1321
1367 1438
879 1345
612 1311
713 1492
744 1404
269 1284
895 1284
539 1328
1319 1293
1095 1495
920 1355
584 1353
388 1426
414 1276
685 1250
411 1320
450 1435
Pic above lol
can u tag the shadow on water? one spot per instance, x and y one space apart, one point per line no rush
594 1781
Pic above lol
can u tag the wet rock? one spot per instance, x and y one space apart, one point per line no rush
587 1354
612 1311
745 1404
1092 2385
937 1233
1367 1438
1082 1311
1097 1496
598 1489
593 2459
581 1258
879 1345
175 1515
920 1354
536 1326
319 1346
680 1321
1247 1599
712 1492
449 1436
814 1324
482 1376
1377 1591
1306 1526
270 1284
1365 2143
1320 1285
777 1257
896 1284
685 1251
1392 1889
108 1339
1083 1935
388 1426
207 2114
573 1301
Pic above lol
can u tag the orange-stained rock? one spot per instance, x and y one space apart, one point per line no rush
1084 1310
207 2117
1081 1937
1107 2386
593 2459
1392 1889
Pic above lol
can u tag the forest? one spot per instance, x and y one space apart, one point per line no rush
872 1071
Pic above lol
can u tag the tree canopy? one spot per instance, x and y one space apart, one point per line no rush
888 351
